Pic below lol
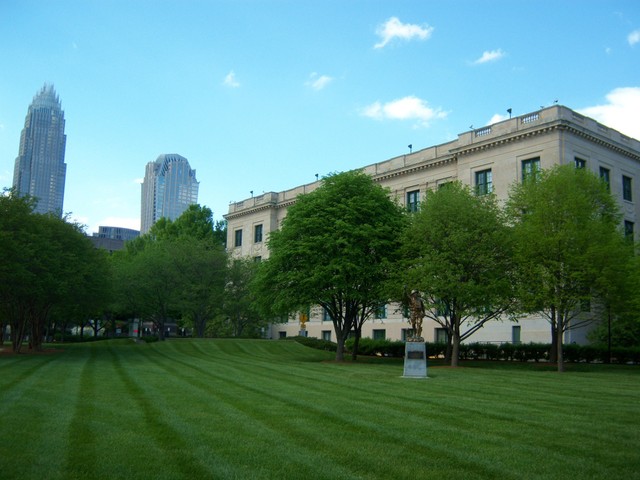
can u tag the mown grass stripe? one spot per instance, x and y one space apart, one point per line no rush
81 453
345 420
173 446
275 410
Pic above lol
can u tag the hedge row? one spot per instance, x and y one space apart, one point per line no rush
507 351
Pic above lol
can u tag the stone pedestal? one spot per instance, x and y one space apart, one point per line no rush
415 360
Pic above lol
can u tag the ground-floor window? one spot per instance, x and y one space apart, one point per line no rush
441 335
515 334
326 335
282 334
379 334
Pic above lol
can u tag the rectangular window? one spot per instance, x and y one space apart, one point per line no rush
326 335
379 334
238 238
484 182
257 259
413 200
628 230
442 309
282 334
605 176
325 315
530 169
580 163
381 311
515 334
257 234
627 191
441 335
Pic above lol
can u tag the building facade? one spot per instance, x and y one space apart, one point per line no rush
40 170
169 187
490 160
117 233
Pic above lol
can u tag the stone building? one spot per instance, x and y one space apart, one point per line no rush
489 159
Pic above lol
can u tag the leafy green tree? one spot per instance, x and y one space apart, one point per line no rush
240 306
202 268
177 270
47 265
196 222
566 226
335 249
619 324
457 252
147 279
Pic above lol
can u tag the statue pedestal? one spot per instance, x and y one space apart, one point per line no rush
415 360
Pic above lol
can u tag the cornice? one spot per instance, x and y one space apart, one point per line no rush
414 168
477 147
256 208
604 142
561 125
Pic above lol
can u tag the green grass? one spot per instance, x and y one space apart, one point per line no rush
245 409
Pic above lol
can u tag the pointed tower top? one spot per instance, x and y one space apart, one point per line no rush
46 97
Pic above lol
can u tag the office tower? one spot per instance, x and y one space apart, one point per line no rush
40 169
169 187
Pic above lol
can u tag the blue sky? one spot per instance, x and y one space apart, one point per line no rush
263 95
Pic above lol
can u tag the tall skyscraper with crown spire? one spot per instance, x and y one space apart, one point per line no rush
40 170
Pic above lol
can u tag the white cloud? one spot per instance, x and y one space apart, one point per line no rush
407 108
230 80
491 56
394 28
634 37
318 82
620 112
497 117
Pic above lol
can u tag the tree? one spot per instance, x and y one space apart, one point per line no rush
335 249
177 270
240 306
566 229
202 268
457 251
46 265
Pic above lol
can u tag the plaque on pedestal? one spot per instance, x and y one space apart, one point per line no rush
415 360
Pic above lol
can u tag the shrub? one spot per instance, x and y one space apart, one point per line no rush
380 348
436 349
314 342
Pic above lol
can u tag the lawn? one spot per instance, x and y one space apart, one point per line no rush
251 409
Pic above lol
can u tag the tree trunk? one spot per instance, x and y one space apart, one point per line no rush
340 350
448 351
455 349
559 355
553 353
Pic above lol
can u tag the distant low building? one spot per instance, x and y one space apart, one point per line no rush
489 159
113 238
117 233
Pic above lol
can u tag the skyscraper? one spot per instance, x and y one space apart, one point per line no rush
40 170
169 187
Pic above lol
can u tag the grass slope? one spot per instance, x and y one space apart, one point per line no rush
249 409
